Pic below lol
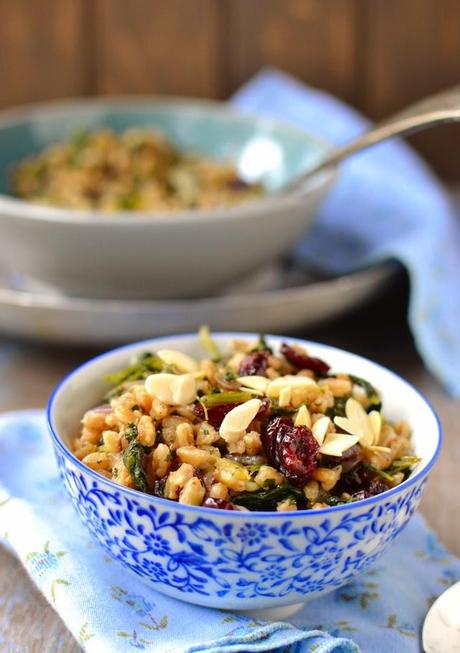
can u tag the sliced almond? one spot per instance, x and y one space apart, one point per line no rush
160 387
376 447
172 389
288 381
336 443
303 417
284 398
319 429
182 361
275 387
184 389
375 420
236 421
259 383
357 423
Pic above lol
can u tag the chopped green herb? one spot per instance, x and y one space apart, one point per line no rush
268 499
131 433
231 397
338 409
262 345
208 344
147 364
379 472
373 396
336 501
230 375
133 458
403 464
253 469
405 461
204 407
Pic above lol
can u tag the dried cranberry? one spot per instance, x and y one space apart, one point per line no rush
198 473
348 460
362 494
297 454
218 503
175 464
253 364
375 487
159 486
303 361
356 480
216 414
274 431
264 410
198 410
292 449
361 479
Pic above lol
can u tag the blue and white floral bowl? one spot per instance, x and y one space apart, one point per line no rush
239 560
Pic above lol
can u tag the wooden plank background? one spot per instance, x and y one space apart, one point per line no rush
376 54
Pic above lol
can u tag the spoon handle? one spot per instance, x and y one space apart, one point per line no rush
437 109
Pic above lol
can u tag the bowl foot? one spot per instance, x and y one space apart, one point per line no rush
274 614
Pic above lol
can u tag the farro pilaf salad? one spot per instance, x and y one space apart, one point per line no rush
247 429
136 170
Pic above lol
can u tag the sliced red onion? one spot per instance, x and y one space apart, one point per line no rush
103 408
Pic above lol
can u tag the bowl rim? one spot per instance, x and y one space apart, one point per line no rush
19 208
201 510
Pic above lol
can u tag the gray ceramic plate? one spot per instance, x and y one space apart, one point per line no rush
276 300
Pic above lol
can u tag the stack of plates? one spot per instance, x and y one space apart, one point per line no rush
278 299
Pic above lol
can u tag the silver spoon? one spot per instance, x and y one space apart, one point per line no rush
441 108
441 630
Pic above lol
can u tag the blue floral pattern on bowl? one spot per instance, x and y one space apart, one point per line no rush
275 559
230 559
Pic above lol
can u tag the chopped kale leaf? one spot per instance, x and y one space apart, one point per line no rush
375 402
268 499
133 459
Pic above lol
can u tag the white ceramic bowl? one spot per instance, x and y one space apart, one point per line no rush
134 255
239 560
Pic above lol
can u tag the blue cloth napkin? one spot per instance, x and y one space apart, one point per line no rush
386 205
110 611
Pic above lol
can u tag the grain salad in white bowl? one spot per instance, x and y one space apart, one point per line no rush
248 428
238 471
108 217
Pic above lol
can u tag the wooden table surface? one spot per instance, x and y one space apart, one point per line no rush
28 372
